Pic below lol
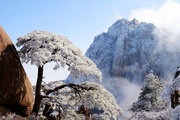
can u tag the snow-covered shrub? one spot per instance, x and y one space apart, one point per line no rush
144 115
150 97
100 102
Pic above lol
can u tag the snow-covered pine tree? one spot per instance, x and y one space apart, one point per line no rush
41 47
150 97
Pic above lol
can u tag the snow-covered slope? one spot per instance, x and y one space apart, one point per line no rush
129 49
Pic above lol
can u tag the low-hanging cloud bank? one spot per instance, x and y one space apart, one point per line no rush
125 92
166 18
130 92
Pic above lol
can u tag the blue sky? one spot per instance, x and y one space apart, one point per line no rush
79 20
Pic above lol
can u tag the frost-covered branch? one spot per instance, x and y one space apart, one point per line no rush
76 87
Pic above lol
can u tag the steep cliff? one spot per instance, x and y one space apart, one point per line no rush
130 49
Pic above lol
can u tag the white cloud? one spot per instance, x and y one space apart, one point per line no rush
126 92
166 16
131 92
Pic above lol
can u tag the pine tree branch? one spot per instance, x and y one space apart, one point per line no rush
78 89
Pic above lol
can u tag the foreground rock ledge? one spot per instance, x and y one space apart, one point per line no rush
16 93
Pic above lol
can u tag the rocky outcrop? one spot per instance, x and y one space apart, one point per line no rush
130 49
16 91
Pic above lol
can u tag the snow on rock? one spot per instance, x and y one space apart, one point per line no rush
130 49
41 47
170 88
176 113
176 84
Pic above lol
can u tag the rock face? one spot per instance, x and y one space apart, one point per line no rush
16 91
130 49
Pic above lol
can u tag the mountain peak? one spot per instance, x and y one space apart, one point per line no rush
128 50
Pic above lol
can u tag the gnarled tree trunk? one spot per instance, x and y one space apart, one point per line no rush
38 96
